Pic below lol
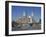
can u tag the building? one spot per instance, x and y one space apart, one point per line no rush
25 19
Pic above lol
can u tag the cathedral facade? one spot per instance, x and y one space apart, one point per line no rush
24 19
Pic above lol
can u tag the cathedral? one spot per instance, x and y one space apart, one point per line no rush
24 19
26 23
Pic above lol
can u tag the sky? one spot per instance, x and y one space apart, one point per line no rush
17 11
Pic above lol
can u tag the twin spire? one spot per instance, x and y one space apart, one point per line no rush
25 14
32 14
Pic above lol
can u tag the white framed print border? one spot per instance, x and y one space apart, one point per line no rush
23 5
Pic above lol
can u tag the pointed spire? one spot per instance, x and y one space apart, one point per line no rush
24 13
32 14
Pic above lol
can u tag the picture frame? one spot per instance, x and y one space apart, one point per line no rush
11 10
